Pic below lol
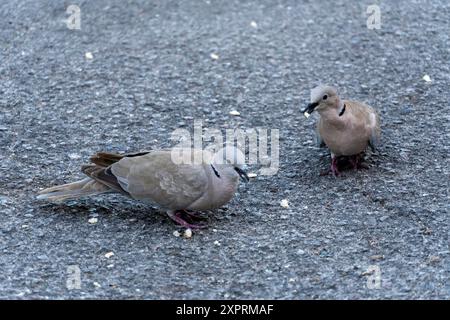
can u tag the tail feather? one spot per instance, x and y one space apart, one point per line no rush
82 188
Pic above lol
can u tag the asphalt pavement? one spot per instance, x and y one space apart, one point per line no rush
137 70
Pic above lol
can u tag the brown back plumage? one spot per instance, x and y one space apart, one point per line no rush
101 171
105 159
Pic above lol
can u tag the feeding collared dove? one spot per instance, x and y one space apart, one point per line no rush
345 127
166 178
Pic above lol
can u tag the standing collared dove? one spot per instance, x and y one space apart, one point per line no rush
345 127
161 178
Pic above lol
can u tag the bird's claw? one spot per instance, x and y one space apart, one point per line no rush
186 219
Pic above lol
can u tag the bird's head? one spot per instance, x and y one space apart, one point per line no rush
322 98
233 158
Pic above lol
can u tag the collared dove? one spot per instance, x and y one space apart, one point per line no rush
345 127
166 178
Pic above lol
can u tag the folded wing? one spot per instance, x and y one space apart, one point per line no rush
155 178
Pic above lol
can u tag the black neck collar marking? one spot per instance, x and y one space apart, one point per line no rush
215 171
342 111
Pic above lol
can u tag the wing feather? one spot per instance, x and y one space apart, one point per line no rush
371 119
155 178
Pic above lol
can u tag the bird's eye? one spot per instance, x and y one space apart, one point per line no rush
325 97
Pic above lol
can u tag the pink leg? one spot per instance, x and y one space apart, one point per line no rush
177 216
334 167
195 215
357 163
354 160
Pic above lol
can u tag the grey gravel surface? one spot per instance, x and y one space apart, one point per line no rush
151 73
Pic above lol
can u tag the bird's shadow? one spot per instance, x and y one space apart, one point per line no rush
116 207
369 160
105 206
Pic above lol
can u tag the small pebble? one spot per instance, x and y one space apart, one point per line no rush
434 259
74 156
377 257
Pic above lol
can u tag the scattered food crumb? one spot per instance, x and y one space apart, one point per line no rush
252 175
109 255
93 220
217 243
214 56
176 233
284 203
89 55
187 233
254 24
426 78
97 285
235 113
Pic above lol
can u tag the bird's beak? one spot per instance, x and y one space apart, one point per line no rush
310 108
242 174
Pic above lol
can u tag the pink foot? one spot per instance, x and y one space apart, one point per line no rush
354 160
357 162
181 216
195 215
